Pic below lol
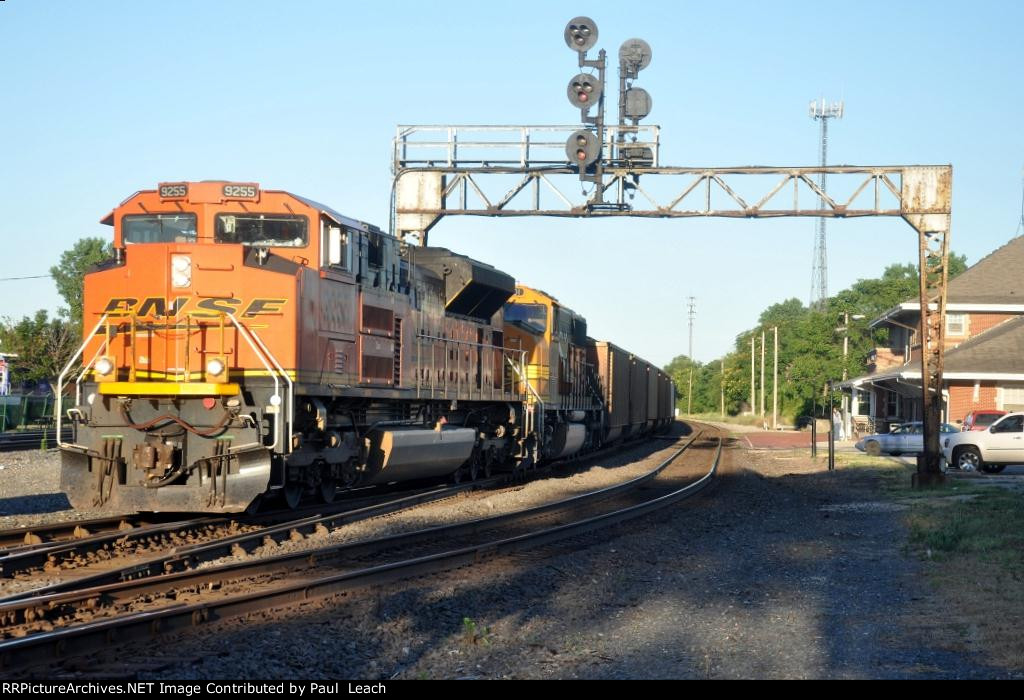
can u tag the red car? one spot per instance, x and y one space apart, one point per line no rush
980 420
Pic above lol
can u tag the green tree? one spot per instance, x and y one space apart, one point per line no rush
68 274
43 345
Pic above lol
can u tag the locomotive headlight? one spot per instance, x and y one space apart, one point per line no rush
215 367
104 366
181 270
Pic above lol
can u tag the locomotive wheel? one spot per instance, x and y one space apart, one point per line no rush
489 460
328 489
293 494
349 474
474 468
327 486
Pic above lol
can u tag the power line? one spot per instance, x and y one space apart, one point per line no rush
30 277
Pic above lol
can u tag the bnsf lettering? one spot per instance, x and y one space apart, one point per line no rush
120 307
218 306
264 307
158 307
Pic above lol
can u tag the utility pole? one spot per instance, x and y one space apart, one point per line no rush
721 386
822 111
753 388
689 393
691 312
775 384
762 375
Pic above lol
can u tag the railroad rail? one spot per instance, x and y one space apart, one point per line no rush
82 543
311 574
178 537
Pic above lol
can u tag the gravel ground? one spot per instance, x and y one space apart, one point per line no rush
612 470
30 490
780 571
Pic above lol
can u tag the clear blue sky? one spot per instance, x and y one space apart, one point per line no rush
104 98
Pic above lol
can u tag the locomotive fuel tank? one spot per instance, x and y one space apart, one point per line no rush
401 454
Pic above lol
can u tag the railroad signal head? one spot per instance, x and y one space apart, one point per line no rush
583 148
584 90
581 34
638 103
634 56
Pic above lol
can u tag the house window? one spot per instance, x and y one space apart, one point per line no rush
861 403
956 324
1013 399
892 404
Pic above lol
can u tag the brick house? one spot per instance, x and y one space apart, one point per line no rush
984 342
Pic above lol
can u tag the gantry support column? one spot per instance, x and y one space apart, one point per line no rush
927 199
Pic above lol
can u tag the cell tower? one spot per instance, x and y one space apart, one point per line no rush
822 112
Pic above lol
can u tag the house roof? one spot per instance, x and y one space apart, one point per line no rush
997 354
995 279
993 284
997 350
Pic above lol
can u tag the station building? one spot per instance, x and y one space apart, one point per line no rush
984 344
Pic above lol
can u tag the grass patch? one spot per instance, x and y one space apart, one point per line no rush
990 526
973 553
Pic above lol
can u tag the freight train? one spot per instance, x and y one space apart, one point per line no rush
247 343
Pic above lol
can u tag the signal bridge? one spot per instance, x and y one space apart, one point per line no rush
518 171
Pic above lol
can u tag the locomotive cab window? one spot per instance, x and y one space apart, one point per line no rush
375 250
338 245
530 317
262 230
159 228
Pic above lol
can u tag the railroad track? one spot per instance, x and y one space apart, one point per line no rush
64 624
183 543
84 545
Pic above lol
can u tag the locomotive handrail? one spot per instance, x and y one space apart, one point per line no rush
247 336
291 388
536 396
505 351
60 386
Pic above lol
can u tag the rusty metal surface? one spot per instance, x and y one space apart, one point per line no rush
912 192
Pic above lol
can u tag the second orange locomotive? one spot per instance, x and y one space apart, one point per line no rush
246 343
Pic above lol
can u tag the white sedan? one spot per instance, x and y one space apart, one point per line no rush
988 450
906 438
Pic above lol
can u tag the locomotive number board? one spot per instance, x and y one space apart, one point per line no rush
173 190
241 190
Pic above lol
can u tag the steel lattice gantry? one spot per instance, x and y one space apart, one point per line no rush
455 180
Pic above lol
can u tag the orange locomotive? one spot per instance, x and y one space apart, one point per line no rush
247 343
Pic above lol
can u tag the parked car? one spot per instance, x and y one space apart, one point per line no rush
905 438
988 450
979 420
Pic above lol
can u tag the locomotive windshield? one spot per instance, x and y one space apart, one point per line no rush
263 230
532 317
159 228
